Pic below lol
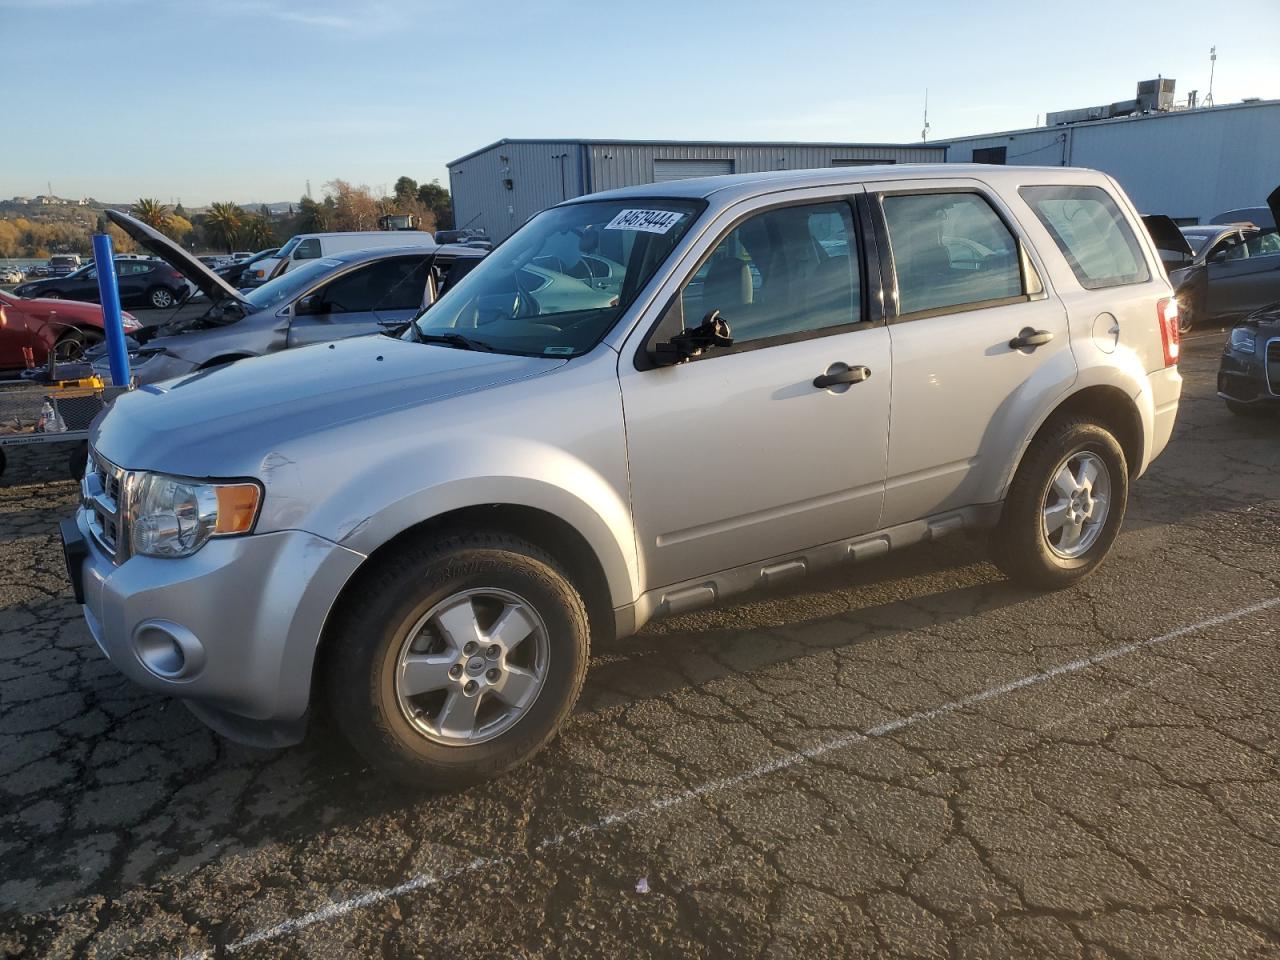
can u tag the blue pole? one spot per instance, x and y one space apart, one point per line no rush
112 322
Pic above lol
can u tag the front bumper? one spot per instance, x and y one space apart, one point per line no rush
233 630
1243 378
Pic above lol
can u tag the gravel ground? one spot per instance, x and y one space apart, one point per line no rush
913 759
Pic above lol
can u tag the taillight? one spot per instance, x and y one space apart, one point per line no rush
1167 319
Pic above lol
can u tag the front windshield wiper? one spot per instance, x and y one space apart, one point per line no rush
453 340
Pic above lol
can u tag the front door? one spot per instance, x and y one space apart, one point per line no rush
738 455
965 288
370 298
1244 274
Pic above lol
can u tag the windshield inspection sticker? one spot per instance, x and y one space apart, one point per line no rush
647 221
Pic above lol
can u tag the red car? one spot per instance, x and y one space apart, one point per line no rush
64 326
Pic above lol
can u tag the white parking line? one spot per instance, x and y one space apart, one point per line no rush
425 881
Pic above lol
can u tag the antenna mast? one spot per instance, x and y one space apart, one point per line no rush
924 131
1213 60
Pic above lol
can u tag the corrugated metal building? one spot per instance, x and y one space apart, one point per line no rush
498 187
1189 164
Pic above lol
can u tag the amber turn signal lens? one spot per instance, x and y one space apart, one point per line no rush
237 507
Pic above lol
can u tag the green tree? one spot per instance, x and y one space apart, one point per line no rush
222 225
437 199
312 217
177 228
405 190
151 212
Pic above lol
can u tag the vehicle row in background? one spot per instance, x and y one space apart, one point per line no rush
143 282
346 294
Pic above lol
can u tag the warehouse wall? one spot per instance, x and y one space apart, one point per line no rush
1192 163
543 173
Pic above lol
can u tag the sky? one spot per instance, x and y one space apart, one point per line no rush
247 100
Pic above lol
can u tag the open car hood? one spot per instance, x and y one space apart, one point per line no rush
1166 235
156 243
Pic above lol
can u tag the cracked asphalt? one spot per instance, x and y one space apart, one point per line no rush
908 760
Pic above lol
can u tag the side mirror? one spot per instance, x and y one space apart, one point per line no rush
712 332
311 305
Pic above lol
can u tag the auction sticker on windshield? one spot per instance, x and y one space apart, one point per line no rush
647 221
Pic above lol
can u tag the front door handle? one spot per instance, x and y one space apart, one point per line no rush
1029 339
833 378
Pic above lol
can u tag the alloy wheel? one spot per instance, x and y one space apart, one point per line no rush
471 667
1076 505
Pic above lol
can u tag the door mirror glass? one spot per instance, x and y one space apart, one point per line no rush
311 305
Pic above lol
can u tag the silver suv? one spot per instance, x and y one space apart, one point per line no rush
644 401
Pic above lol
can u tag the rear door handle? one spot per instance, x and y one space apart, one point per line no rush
1029 339
833 377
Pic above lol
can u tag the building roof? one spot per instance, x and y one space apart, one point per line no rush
692 143
1158 115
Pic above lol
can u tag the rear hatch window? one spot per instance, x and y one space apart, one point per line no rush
1092 234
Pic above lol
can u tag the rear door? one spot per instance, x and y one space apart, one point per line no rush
367 299
965 287
134 278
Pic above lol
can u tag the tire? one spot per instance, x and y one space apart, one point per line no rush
1250 411
161 298
72 344
398 611
1025 545
78 461
1186 321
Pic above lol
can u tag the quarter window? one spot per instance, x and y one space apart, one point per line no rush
1092 234
397 284
781 273
950 251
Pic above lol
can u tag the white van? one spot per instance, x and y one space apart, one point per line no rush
313 246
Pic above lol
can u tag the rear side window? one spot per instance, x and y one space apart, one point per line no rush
1092 234
951 251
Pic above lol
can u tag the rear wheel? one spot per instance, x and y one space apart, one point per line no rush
457 661
1064 507
161 297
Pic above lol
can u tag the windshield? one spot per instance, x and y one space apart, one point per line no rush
287 249
1196 241
561 282
284 288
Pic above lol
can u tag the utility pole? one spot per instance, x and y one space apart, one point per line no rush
1213 62
924 131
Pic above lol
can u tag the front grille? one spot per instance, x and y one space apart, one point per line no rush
1272 361
104 493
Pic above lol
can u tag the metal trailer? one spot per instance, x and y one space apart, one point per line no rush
34 412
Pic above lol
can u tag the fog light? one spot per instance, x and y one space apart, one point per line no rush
168 650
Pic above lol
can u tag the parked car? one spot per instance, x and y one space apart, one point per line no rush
1263 217
425 532
10 275
63 264
1249 372
346 295
313 246
37 270
65 327
148 283
236 273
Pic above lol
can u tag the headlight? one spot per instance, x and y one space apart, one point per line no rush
1244 339
173 517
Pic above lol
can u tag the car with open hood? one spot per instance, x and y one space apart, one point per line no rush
348 294
1221 271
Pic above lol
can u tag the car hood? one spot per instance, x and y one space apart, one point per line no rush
1264 318
229 420
155 242
73 311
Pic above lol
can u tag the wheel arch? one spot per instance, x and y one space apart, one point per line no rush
1106 404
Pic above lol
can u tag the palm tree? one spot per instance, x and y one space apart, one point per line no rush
151 212
256 233
222 224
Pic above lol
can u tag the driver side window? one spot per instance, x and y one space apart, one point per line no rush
393 284
1228 248
780 273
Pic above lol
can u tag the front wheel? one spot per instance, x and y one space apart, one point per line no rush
455 662
1064 507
